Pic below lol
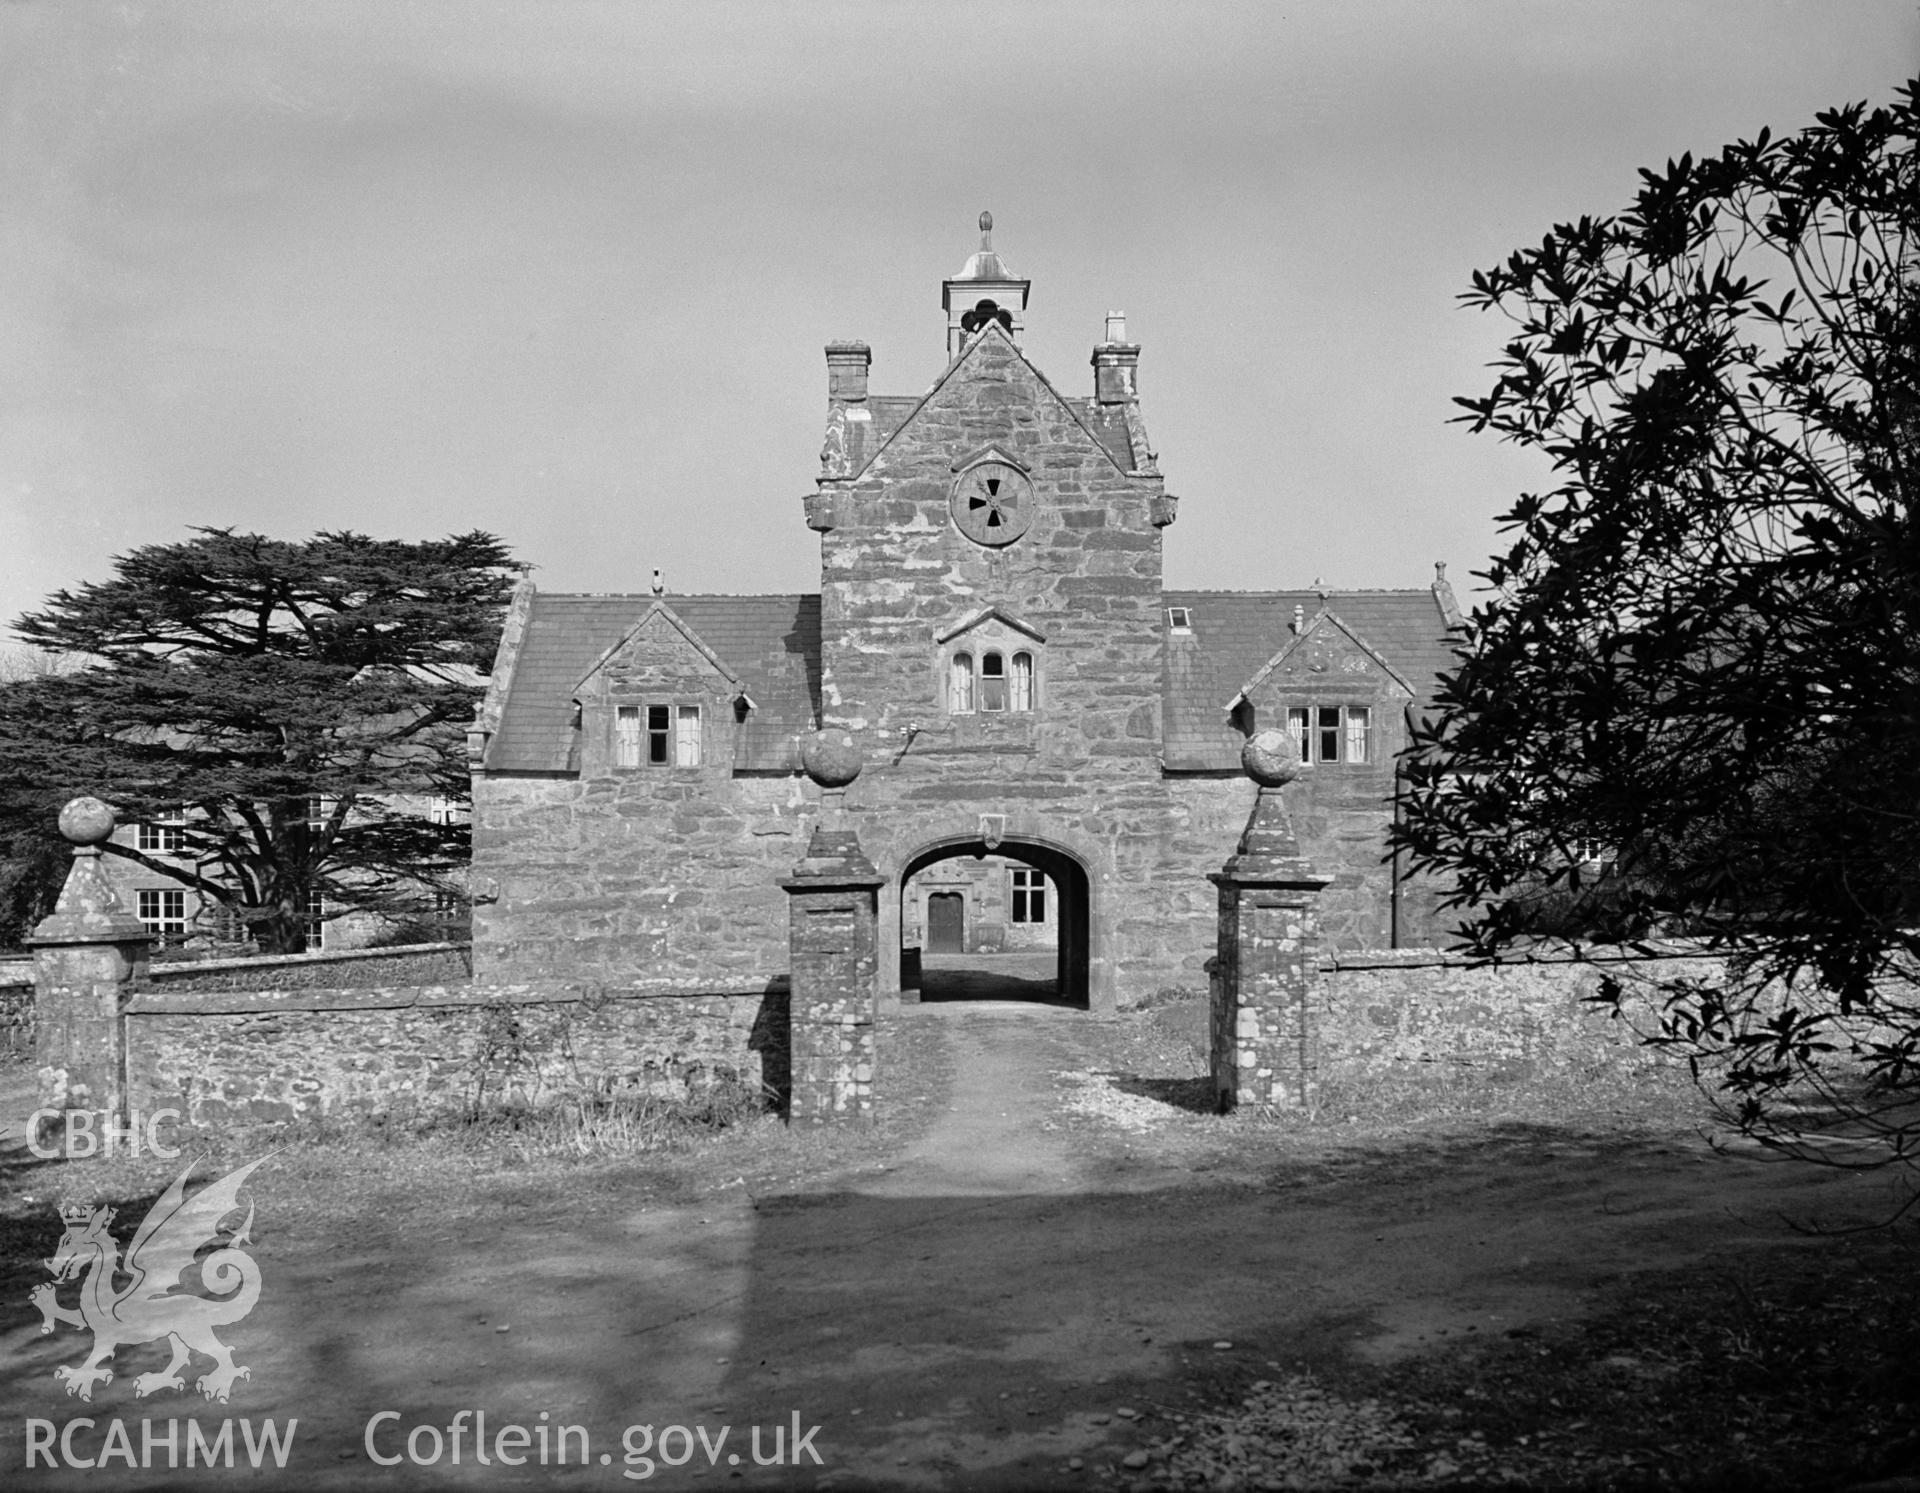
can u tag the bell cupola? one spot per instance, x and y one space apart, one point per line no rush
984 290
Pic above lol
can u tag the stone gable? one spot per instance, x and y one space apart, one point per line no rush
661 664
898 573
1326 663
660 651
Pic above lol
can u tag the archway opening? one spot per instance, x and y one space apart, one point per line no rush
1008 923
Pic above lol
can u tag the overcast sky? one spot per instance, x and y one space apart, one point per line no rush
564 271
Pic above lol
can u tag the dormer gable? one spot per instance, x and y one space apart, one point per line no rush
1333 693
659 639
1325 654
660 698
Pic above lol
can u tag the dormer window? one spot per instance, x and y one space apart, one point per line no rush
656 736
1331 733
1180 620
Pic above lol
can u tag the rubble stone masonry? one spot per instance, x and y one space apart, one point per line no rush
419 1052
590 867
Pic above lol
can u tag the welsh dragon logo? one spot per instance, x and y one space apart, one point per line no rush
148 1307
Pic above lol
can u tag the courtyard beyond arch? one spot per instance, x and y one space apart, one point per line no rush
975 919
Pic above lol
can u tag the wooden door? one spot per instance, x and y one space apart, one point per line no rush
946 923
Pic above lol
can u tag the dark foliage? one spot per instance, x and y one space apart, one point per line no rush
242 679
1700 656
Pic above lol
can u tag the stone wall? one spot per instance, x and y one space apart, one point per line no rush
411 964
1422 1011
1340 817
350 969
650 875
434 1050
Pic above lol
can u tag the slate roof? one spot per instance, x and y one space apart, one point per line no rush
889 412
1108 422
771 642
1235 633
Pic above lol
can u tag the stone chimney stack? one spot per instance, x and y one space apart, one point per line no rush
1116 364
847 364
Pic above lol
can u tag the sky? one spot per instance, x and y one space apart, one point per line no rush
564 272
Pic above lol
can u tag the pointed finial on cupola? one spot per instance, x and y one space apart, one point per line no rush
985 290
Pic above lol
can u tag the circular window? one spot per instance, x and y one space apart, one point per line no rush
992 503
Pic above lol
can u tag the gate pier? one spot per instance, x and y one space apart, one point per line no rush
1262 1026
833 916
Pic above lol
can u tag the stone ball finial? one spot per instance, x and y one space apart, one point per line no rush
86 821
831 758
1269 758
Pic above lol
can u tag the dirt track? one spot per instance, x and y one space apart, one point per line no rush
975 1314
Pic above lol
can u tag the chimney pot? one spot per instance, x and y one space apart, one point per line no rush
1116 364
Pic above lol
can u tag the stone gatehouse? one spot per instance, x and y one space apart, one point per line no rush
993 627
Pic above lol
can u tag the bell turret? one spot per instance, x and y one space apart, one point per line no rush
984 290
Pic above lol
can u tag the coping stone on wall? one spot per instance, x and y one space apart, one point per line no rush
401 998
168 969
1336 961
